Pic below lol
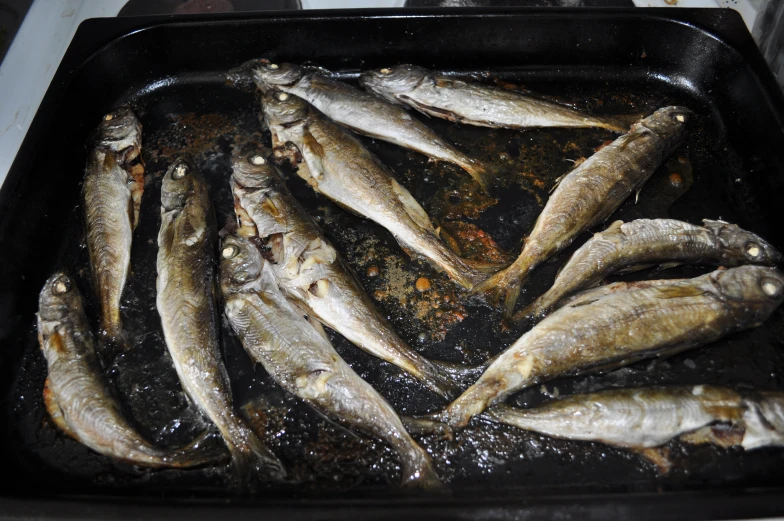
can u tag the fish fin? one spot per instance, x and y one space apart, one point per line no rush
319 328
623 122
668 265
56 413
198 452
256 460
505 284
659 456
412 207
630 138
759 432
721 435
485 176
615 227
486 267
535 309
633 269
449 240
425 426
558 181
464 375
418 471
676 291
429 110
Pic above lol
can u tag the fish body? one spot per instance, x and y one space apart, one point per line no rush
589 194
652 416
619 328
111 194
76 394
302 361
645 242
365 114
474 103
311 271
187 307
336 165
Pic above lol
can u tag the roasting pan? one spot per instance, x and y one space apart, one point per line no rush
173 71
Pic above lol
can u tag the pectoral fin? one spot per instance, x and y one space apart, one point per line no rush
412 207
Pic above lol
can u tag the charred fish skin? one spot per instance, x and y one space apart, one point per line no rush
588 195
474 103
111 194
646 242
365 114
311 271
303 362
620 328
338 166
187 307
76 395
649 417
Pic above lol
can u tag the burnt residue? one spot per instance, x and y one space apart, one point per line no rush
703 179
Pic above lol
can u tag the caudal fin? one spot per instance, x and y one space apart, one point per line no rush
535 310
199 452
484 174
418 471
504 285
623 123
254 461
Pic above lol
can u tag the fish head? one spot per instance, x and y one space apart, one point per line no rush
667 122
258 189
120 131
739 246
59 298
179 184
267 76
391 82
252 169
756 290
282 108
241 264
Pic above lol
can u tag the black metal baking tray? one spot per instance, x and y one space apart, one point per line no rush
173 72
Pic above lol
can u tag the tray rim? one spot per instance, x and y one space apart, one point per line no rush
93 35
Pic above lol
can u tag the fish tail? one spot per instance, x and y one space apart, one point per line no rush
254 459
418 471
197 453
504 285
623 123
537 308
485 175
459 376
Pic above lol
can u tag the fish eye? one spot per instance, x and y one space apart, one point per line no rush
257 160
229 251
680 117
61 286
282 96
273 66
386 70
108 117
771 288
753 250
180 171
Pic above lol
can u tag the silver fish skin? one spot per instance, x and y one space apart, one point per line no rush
652 416
187 241
338 166
474 103
77 396
111 194
620 328
302 361
588 195
366 114
646 242
311 271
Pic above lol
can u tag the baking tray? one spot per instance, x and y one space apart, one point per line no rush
173 71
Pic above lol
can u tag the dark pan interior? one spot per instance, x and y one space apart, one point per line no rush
174 76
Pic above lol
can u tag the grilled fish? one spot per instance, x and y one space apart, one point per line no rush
365 114
311 271
474 103
589 194
186 304
112 192
336 165
77 396
302 360
646 242
620 328
649 417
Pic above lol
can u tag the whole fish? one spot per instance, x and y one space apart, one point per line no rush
365 114
649 417
311 271
620 328
589 194
474 103
302 360
111 193
646 242
336 164
186 304
77 396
